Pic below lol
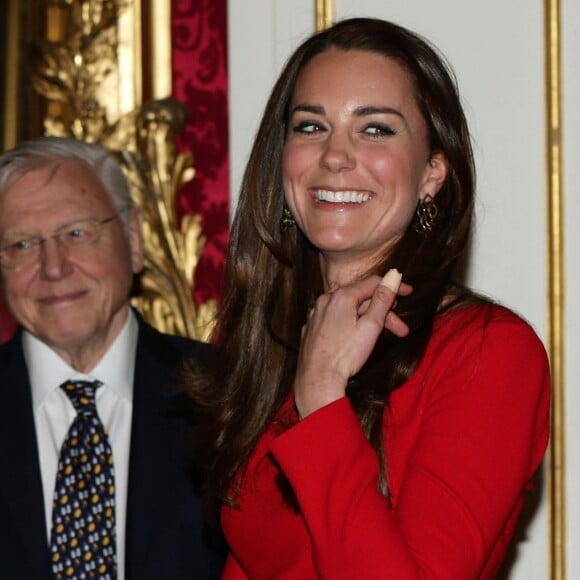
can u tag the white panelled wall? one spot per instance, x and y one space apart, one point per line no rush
497 51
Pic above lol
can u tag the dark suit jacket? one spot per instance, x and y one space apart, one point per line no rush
166 538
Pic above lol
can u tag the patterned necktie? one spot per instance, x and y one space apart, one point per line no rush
83 542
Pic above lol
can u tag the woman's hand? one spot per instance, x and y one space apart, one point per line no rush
340 334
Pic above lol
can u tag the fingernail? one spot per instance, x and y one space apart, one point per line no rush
392 280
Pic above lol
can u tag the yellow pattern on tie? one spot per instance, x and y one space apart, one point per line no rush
83 538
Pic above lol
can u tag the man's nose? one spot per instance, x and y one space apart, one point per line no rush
54 259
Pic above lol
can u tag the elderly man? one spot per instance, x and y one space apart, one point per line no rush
94 479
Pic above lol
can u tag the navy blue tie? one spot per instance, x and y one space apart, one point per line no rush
83 538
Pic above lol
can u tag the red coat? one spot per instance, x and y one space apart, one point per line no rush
463 437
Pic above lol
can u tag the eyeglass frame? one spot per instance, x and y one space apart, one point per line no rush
36 242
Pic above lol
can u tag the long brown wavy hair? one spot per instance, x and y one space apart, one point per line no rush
273 276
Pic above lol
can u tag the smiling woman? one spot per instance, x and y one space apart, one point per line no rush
356 159
366 418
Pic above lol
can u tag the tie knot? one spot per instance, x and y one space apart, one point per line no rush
82 395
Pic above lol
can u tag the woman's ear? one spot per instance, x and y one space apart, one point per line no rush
435 175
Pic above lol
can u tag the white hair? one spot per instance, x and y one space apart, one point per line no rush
43 151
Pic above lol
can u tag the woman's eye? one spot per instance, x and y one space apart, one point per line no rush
379 130
307 127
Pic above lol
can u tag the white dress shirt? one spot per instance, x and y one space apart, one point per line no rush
54 413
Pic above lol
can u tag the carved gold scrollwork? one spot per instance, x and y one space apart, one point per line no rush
75 69
173 254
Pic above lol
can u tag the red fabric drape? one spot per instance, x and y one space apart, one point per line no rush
199 39
7 325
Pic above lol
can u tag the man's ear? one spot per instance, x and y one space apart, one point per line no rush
136 239
435 175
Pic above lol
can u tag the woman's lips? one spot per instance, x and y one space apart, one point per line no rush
343 196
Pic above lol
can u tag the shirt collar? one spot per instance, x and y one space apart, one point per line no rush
115 370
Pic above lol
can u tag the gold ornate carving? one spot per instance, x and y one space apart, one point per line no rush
76 70
172 254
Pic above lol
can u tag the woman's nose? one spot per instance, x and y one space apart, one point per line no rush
338 154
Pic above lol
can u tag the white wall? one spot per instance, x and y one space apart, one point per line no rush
497 51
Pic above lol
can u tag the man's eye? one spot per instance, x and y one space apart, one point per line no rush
21 245
77 233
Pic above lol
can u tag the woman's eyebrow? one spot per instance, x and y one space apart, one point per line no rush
306 108
358 112
374 110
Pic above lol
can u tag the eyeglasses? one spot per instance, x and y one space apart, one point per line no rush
21 252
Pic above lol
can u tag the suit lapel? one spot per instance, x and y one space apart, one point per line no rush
150 433
20 480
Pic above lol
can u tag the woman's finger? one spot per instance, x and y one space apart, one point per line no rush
396 325
392 280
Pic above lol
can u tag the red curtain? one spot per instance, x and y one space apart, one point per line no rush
7 325
199 38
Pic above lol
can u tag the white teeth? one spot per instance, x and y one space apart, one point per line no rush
341 196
